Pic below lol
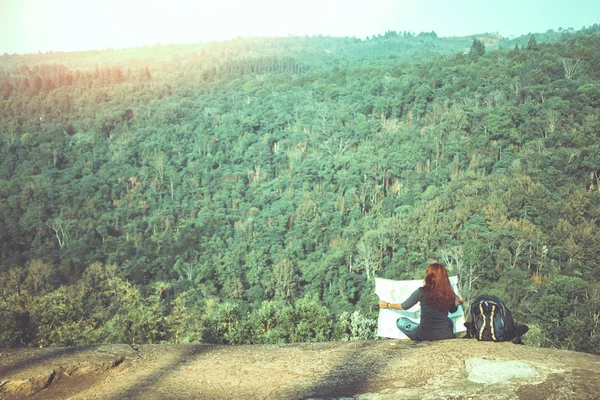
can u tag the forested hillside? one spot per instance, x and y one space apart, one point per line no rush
250 191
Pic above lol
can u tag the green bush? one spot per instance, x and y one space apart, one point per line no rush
308 321
266 323
354 326
59 320
226 323
10 335
137 319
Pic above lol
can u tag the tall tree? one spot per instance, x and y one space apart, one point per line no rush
477 48
532 44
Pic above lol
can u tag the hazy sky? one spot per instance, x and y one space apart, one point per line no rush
68 25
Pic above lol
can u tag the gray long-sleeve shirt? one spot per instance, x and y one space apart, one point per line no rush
435 324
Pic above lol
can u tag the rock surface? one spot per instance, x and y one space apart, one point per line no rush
379 369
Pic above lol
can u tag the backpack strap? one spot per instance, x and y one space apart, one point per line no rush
483 314
483 325
492 322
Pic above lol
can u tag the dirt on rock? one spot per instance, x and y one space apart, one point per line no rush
378 369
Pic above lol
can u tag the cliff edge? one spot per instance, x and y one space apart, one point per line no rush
378 369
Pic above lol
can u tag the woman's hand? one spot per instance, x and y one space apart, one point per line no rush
383 304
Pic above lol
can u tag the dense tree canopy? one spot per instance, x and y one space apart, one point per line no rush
250 191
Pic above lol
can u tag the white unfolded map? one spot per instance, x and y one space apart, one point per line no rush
397 292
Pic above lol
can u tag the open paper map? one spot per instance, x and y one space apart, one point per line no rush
397 292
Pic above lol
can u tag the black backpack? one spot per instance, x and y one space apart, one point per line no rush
491 320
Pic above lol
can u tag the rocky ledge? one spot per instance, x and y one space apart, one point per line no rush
379 369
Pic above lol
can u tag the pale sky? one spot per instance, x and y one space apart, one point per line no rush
29 26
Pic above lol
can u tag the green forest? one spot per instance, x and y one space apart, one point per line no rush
250 191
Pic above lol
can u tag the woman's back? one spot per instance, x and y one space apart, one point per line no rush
435 324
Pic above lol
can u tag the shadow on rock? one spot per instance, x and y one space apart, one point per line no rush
358 372
148 382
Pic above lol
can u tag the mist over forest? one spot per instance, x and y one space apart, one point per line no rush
249 191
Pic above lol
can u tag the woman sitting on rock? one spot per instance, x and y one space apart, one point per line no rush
437 300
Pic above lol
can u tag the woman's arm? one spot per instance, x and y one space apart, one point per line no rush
392 306
413 299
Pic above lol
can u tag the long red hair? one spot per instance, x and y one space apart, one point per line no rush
437 289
